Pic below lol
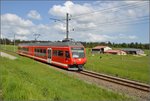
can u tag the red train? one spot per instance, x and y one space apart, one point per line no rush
69 55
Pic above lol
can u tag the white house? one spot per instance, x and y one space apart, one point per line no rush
100 49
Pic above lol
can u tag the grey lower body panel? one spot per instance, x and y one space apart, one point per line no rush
73 68
76 67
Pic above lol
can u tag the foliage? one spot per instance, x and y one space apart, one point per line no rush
117 45
86 44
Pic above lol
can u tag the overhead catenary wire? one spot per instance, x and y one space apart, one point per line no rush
60 20
116 25
108 9
67 24
116 21
36 36
121 21
125 21
135 5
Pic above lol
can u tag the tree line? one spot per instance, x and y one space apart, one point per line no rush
117 45
88 44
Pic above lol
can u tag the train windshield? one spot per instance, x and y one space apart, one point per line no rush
77 52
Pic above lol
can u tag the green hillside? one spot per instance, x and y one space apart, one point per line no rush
26 79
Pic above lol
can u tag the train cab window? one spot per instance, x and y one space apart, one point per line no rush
67 54
60 53
77 52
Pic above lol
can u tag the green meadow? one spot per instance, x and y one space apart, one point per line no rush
26 79
131 67
9 49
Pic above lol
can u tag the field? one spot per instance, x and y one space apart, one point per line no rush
129 66
26 79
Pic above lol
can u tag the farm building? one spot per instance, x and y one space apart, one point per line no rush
117 52
133 51
100 49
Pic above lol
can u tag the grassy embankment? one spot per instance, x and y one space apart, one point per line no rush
129 66
9 49
24 78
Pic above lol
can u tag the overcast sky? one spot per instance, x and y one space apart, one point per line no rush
94 21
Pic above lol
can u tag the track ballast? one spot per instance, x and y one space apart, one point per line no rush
120 81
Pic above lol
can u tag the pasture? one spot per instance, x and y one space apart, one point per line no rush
26 79
128 66
131 67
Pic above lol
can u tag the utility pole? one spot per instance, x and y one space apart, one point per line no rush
14 42
0 43
5 43
36 36
67 23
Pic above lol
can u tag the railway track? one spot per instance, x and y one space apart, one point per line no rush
120 81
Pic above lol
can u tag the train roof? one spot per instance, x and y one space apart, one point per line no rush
62 44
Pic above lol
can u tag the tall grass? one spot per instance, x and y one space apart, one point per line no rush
9 47
25 79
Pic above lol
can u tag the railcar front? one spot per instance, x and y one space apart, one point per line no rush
78 58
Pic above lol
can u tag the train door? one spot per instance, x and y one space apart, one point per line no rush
49 51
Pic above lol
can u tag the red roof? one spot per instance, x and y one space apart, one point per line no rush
98 47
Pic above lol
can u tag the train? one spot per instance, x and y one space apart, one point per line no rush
67 55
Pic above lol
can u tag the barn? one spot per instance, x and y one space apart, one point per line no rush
117 52
133 51
100 49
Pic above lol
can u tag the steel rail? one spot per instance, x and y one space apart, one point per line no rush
117 80
120 81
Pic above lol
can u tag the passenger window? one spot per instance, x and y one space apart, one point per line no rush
44 51
40 50
60 53
55 53
67 54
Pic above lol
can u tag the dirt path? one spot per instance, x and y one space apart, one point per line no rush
2 54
